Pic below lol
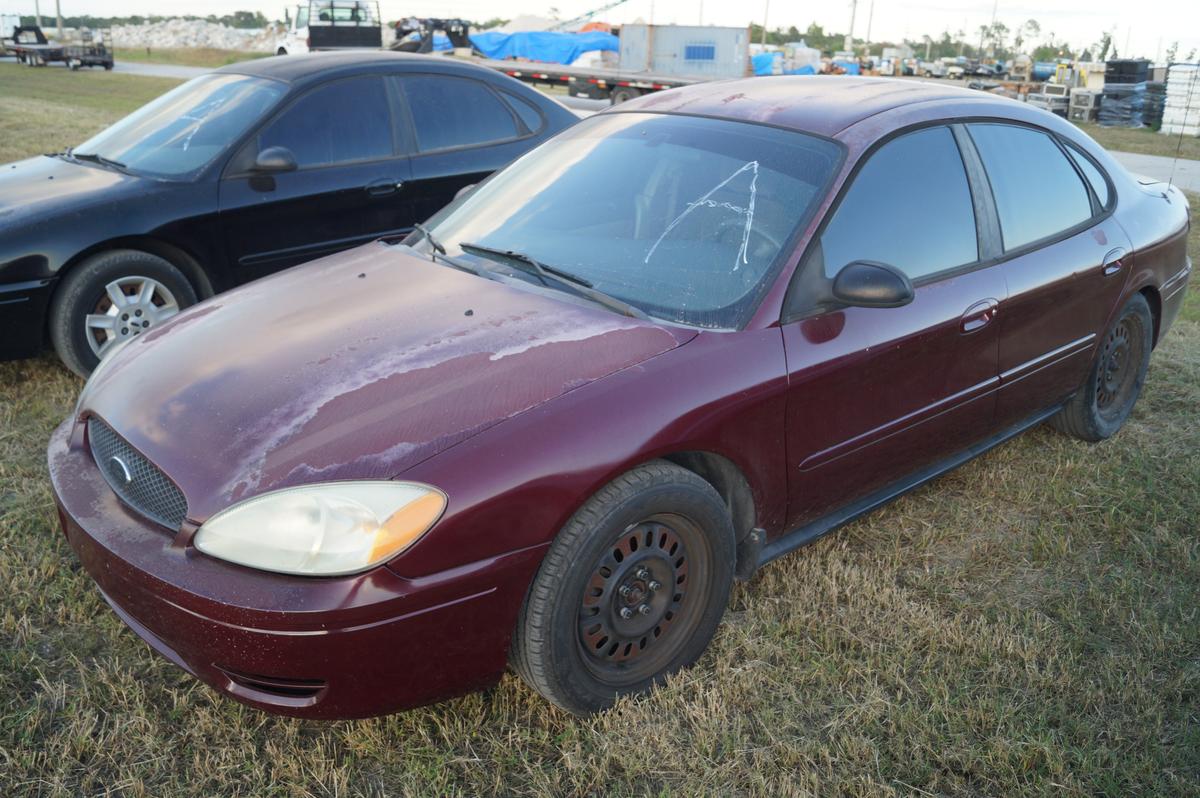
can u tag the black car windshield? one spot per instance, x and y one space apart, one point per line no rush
685 218
181 132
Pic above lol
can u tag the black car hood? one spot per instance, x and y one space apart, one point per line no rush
34 188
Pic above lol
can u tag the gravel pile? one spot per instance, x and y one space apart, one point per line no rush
175 33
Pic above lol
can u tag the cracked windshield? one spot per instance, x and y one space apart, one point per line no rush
682 217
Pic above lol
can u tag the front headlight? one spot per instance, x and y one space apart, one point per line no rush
328 529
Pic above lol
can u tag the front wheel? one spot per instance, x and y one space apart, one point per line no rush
630 591
110 298
1115 381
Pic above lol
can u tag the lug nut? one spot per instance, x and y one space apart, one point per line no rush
626 613
654 585
643 574
625 591
644 609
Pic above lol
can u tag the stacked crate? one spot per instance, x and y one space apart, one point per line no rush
1084 105
1181 112
1124 99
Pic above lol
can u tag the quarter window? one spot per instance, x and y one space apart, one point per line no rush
456 112
339 122
1092 173
1038 193
909 206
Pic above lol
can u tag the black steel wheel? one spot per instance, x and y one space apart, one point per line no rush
1115 380
630 591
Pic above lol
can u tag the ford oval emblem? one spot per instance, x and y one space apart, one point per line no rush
119 471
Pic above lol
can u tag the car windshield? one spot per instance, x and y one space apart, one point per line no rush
181 132
686 218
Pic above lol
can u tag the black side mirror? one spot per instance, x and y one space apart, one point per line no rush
275 159
868 284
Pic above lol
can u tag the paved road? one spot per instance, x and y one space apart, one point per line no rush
159 70
1183 173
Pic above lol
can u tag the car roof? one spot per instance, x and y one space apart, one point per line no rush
312 66
821 104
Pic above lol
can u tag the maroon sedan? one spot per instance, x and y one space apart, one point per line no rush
549 429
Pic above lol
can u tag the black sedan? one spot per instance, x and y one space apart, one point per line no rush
239 173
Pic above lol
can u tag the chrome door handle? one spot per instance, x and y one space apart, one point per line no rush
978 316
1114 261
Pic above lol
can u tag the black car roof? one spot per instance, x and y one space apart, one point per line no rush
311 66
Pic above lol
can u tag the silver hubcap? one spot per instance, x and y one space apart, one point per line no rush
130 306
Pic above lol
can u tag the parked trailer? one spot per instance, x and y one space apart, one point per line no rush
618 85
33 49
653 58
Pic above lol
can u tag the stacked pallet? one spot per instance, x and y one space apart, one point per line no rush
1181 112
1124 100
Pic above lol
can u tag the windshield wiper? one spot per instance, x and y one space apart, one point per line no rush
438 252
96 158
563 279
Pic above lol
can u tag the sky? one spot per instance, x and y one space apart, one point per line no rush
1147 28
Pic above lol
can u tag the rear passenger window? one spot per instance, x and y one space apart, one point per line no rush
1038 193
456 112
1092 173
909 206
340 122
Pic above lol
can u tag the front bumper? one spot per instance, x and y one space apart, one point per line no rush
339 647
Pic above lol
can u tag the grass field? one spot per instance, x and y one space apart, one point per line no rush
1027 625
1143 140
185 56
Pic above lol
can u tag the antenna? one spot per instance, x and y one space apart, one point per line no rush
1187 112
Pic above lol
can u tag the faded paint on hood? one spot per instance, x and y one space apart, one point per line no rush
356 366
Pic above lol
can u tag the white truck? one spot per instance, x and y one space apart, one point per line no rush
332 25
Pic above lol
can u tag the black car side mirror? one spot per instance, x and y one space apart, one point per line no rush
275 159
868 284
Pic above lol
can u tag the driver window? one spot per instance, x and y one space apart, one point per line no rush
909 206
340 122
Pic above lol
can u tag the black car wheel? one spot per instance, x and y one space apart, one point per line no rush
1115 381
630 591
110 298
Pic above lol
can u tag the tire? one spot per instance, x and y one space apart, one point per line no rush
1114 382
624 94
658 524
84 294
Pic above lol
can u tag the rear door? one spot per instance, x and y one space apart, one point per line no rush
1065 262
462 130
348 188
876 395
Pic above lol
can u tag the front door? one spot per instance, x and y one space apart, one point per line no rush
349 186
876 395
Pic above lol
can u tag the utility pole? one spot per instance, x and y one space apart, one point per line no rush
58 13
37 13
848 46
766 9
701 21
870 19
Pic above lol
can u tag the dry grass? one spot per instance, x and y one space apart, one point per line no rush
1025 626
1143 140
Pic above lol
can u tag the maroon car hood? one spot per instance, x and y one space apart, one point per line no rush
357 366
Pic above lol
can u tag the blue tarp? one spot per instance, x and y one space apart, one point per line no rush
851 67
764 63
807 69
555 48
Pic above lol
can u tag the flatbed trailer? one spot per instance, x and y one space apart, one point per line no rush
42 52
618 84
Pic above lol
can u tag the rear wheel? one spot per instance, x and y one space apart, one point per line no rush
624 94
110 298
631 590
1115 381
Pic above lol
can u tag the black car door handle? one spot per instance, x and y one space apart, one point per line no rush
381 188
1113 261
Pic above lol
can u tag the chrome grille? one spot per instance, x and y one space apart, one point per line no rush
138 482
